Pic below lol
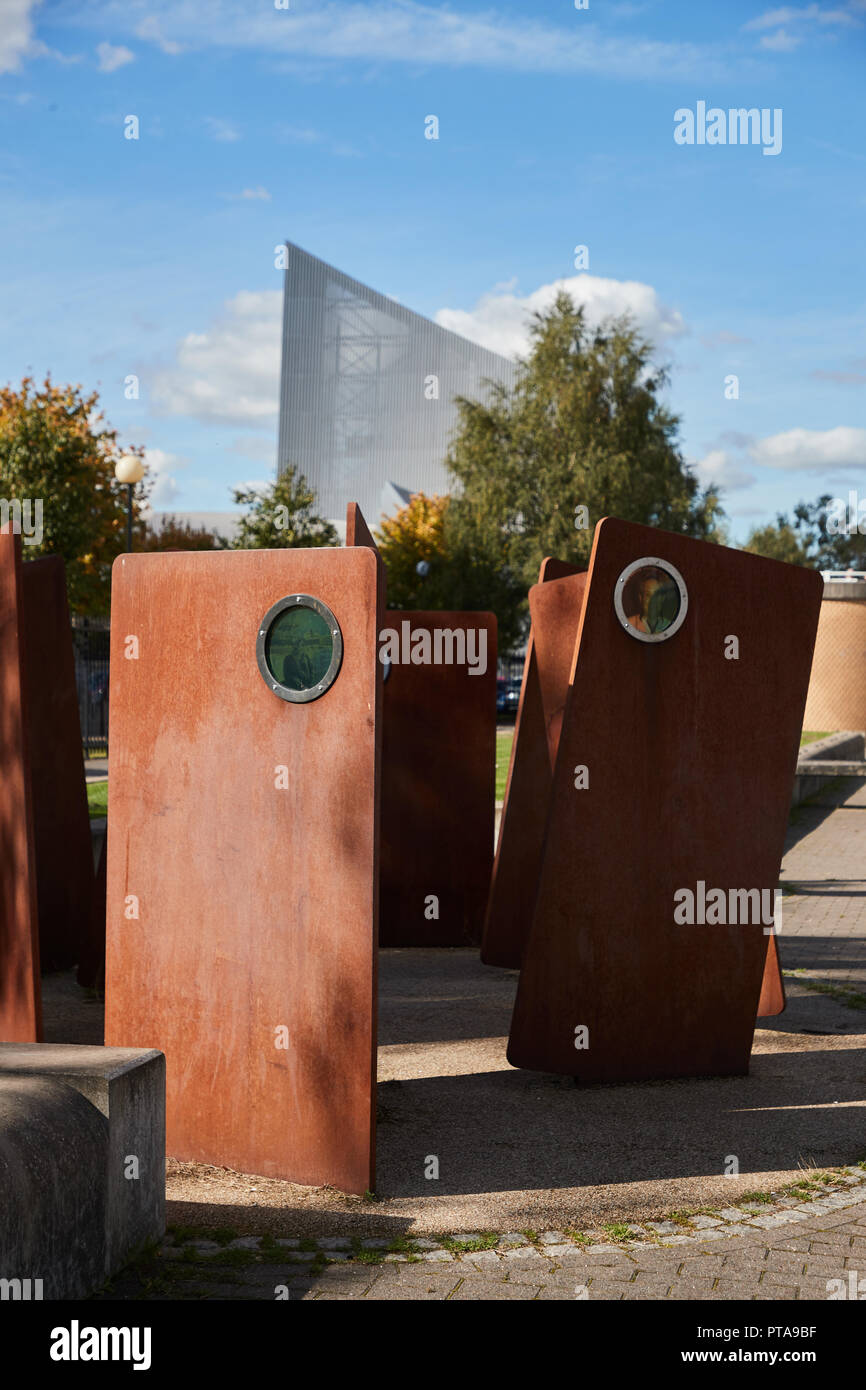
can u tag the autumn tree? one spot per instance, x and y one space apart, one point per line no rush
412 547
281 516
56 449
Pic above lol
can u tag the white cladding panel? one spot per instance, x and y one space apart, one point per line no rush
357 403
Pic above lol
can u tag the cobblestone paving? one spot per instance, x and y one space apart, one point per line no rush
792 1247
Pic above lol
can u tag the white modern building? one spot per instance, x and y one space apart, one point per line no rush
367 390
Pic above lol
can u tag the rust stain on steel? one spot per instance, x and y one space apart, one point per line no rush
61 822
438 779
256 906
524 813
20 994
691 761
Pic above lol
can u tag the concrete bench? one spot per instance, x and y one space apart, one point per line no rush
82 1164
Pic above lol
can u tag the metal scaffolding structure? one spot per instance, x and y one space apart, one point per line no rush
367 389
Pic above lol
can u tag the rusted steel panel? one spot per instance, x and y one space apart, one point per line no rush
438 779
61 823
772 1000
20 995
691 758
524 814
357 530
243 834
555 609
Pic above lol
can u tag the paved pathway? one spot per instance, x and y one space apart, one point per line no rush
813 1251
791 1247
824 924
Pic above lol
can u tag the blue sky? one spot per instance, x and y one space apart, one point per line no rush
155 256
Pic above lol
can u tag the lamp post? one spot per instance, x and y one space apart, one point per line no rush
129 470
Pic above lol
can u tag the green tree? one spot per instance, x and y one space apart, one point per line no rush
582 427
281 516
778 542
818 535
56 449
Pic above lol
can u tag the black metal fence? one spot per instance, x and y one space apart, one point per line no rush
90 641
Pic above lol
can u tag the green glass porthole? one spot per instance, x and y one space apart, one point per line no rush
299 648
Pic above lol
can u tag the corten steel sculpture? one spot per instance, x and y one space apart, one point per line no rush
438 779
61 822
438 775
673 773
20 996
524 812
242 858
555 609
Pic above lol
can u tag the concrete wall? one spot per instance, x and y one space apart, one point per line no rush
82 1162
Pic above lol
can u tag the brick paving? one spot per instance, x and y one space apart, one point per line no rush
824 924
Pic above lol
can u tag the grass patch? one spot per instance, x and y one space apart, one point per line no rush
463 1247
761 1197
808 737
618 1230
223 1235
504 739
402 1245
97 798
851 998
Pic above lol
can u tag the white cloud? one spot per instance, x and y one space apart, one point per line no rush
501 319
222 130
720 468
160 465
230 373
843 17
256 446
16 32
149 29
408 31
112 58
812 450
781 42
